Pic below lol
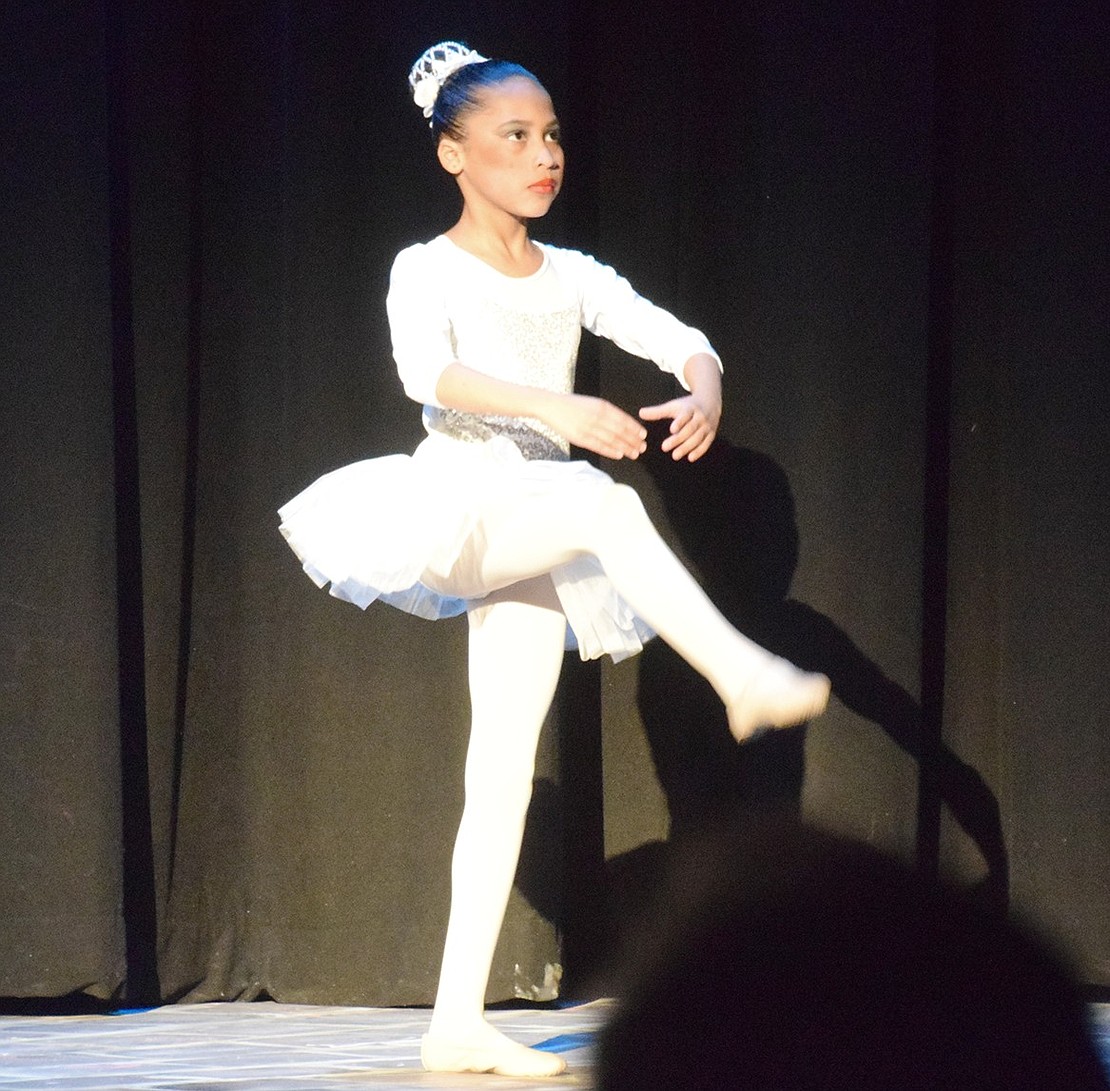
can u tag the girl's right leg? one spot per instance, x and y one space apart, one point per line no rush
516 653
608 520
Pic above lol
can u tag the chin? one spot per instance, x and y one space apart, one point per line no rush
540 208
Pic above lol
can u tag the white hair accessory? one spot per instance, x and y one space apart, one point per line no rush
434 66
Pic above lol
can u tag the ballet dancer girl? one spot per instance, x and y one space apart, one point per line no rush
490 517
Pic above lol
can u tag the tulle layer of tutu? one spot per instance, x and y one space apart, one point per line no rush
374 529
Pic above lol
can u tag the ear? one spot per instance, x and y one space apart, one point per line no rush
450 155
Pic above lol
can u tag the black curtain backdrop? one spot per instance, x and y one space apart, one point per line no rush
219 783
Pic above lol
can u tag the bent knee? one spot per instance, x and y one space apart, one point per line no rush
621 507
625 497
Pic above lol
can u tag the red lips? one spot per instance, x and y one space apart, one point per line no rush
546 185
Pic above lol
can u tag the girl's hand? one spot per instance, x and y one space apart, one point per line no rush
694 420
596 425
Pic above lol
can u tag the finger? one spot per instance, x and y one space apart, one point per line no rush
615 451
684 421
661 411
681 450
632 439
626 424
701 447
628 441
682 428
615 434
620 449
693 444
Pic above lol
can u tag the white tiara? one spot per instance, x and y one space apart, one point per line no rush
434 66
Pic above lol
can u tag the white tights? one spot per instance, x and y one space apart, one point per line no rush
516 649
523 540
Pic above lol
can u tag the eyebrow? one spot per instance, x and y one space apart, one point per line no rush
553 124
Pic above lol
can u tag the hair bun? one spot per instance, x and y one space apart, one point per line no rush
434 65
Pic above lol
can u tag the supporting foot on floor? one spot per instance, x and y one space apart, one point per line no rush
493 1053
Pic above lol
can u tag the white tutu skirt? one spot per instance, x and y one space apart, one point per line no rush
373 529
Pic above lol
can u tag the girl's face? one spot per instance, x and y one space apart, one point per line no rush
509 159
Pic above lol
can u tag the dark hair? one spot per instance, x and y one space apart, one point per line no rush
459 93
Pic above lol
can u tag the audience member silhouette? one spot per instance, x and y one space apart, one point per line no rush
783 958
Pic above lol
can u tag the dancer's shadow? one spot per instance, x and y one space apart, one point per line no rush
733 513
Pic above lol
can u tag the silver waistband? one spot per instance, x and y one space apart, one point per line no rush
532 442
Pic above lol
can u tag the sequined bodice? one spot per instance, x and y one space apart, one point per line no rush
535 349
446 305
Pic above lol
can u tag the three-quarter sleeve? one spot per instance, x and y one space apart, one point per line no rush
419 326
613 309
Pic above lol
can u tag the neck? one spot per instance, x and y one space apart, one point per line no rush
493 234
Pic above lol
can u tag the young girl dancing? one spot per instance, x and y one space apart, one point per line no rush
490 517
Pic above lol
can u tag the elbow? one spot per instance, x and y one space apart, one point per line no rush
420 386
419 392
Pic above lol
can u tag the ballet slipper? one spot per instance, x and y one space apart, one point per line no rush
502 1057
776 695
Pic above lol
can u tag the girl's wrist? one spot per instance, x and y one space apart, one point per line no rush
546 401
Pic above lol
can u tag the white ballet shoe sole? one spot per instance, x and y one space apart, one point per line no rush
780 695
437 1055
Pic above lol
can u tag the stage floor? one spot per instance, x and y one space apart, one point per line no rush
268 1047
285 1047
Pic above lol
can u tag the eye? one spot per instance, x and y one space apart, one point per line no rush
555 136
517 134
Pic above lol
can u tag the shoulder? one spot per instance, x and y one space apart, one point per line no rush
559 255
421 274
421 257
578 265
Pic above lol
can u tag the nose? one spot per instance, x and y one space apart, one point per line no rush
548 156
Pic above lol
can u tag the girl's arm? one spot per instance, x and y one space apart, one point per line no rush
591 423
612 308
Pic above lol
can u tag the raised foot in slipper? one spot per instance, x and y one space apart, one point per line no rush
499 1055
777 695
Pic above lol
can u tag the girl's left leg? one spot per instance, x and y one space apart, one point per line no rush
527 536
516 653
